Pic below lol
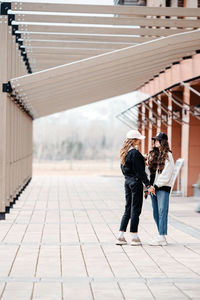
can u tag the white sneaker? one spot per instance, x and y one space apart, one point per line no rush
136 242
158 242
121 241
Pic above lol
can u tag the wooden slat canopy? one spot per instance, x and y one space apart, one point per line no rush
105 9
103 76
47 27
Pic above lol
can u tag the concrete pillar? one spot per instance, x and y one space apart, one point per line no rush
176 127
159 115
169 128
194 145
140 123
150 125
143 128
185 142
163 102
146 129
154 128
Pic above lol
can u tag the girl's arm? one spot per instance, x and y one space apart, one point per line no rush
139 167
164 178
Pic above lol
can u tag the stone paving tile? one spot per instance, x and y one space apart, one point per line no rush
106 290
58 243
76 289
166 291
190 289
7 256
18 291
47 291
72 262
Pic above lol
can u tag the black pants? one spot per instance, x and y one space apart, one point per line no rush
134 201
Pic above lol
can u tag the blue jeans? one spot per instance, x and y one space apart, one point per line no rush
160 204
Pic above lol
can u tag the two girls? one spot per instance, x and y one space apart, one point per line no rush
161 166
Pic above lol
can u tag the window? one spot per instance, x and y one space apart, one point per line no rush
180 3
168 3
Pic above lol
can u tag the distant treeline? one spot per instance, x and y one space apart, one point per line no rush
88 132
96 141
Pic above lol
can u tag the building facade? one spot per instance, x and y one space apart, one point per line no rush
173 106
160 3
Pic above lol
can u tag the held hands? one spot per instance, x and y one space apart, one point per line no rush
152 190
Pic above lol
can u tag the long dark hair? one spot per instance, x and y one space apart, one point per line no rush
157 157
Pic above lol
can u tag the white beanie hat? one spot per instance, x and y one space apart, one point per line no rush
134 134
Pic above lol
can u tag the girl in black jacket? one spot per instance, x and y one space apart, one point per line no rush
133 169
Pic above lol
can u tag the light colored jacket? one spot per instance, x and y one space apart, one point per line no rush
165 178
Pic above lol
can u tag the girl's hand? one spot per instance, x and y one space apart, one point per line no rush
152 190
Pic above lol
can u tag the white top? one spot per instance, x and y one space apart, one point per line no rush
165 178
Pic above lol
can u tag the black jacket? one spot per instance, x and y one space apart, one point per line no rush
135 166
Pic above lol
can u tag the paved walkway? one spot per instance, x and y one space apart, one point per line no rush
58 243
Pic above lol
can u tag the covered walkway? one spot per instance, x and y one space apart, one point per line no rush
58 243
57 56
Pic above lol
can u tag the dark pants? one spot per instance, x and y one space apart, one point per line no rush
133 207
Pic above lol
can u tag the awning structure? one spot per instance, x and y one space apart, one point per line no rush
80 54
130 116
52 34
107 75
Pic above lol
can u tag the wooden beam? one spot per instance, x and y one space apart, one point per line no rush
119 21
99 30
105 74
120 70
67 44
132 53
84 37
106 9
51 57
66 51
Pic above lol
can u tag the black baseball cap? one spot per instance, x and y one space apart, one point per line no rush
160 136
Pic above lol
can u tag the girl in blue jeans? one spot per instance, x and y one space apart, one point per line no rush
161 166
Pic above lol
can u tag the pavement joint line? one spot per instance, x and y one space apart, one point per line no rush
68 209
63 223
59 279
86 243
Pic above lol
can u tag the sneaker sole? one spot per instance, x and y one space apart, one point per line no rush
136 244
158 245
120 243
